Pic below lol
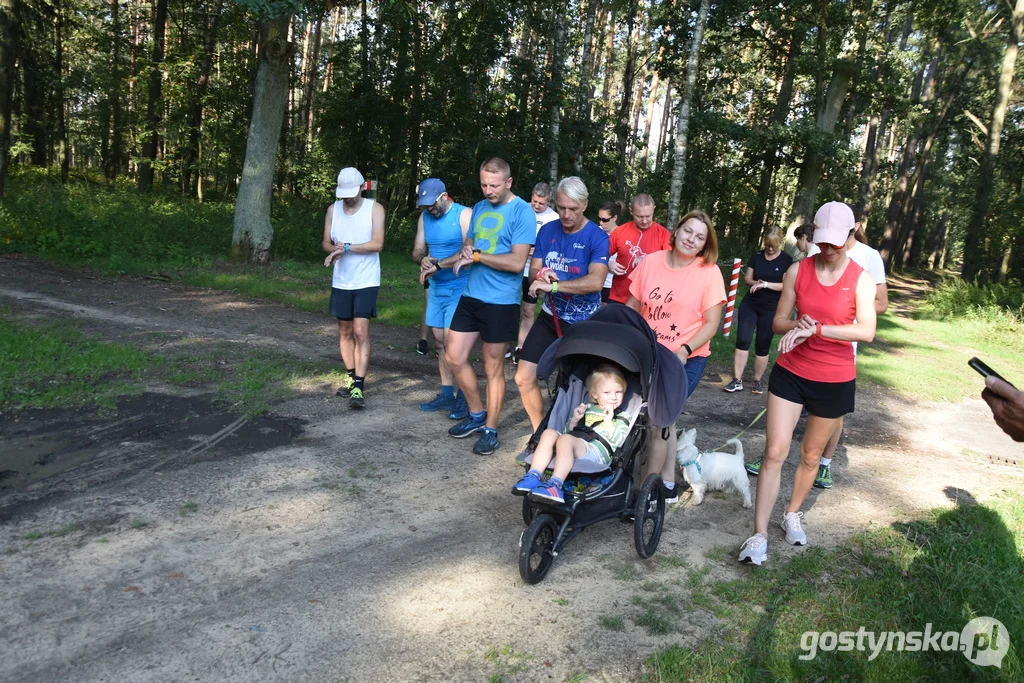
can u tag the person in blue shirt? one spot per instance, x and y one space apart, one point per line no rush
570 262
502 230
440 232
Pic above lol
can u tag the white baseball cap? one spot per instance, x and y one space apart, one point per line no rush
833 223
350 182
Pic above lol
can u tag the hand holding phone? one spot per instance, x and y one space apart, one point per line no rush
986 371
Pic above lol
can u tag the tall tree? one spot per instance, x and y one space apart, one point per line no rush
152 139
974 242
190 171
683 120
8 54
253 231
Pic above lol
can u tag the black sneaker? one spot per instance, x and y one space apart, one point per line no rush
515 355
345 390
355 400
421 347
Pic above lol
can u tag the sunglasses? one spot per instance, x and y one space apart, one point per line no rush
605 220
835 247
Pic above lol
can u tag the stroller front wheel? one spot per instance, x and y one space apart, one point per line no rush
649 516
536 552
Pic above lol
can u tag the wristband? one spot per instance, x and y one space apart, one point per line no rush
689 351
348 247
476 256
437 263
554 286
540 273
817 329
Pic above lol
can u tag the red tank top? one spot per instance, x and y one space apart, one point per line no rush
819 359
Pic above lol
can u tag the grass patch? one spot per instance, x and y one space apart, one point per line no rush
506 662
654 622
945 570
56 366
626 572
615 623
188 509
52 533
138 523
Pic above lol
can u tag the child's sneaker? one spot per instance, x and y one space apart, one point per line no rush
794 530
461 409
754 467
549 491
529 482
754 550
758 387
671 494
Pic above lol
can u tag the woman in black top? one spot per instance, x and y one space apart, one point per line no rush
764 275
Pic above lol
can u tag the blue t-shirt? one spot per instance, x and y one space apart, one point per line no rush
494 229
444 237
570 256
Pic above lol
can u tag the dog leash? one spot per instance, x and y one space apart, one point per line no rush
752 423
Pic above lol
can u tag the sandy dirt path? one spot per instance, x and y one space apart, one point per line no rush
318 543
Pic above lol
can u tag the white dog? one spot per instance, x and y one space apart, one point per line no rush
712 471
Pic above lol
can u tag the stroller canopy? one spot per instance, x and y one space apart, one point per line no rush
619 334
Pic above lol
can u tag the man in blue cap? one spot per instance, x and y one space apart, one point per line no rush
440 233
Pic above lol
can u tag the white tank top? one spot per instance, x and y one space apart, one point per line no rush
354 271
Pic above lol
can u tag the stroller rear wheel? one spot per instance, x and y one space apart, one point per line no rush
535 552
649 516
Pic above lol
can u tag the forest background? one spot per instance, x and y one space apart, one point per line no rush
906 109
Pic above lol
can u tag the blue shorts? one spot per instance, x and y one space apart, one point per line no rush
694 371
441 305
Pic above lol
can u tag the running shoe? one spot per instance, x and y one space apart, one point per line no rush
508 354
461 409
758 387
754 467
529 482
487 443
515 355
421 347
824 478
794 530
467 426
735 385
754 550
548 491
671 494
438 403
345 390
355 399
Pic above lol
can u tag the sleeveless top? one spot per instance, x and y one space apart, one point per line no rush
444 237
354 271
819 359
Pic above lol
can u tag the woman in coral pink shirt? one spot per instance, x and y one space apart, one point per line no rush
680 292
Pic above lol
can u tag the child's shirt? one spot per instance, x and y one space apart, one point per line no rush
613 430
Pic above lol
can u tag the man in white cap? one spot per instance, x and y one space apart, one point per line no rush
440 233
353 238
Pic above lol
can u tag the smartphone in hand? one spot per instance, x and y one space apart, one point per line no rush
986 371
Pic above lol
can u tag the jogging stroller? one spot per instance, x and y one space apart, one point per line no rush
655 395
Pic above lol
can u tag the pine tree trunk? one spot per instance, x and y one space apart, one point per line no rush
116 156
63 159
194 120
583 95
974 265
626 106
683 121
609 57
666 117
313 70
8 53
648 123
770 159
152 142
556 95
814 158
253 231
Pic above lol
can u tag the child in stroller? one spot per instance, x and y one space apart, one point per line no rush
602 431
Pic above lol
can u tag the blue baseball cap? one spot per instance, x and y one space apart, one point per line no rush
429 190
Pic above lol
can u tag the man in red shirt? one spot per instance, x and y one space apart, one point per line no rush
632 241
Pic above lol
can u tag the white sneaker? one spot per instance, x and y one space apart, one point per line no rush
794 530
754 550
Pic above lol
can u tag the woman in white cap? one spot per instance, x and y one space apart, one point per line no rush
815 369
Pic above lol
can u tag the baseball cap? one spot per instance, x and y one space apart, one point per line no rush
833 223
428 192
350 182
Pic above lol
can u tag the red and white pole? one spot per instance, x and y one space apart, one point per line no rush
731 302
